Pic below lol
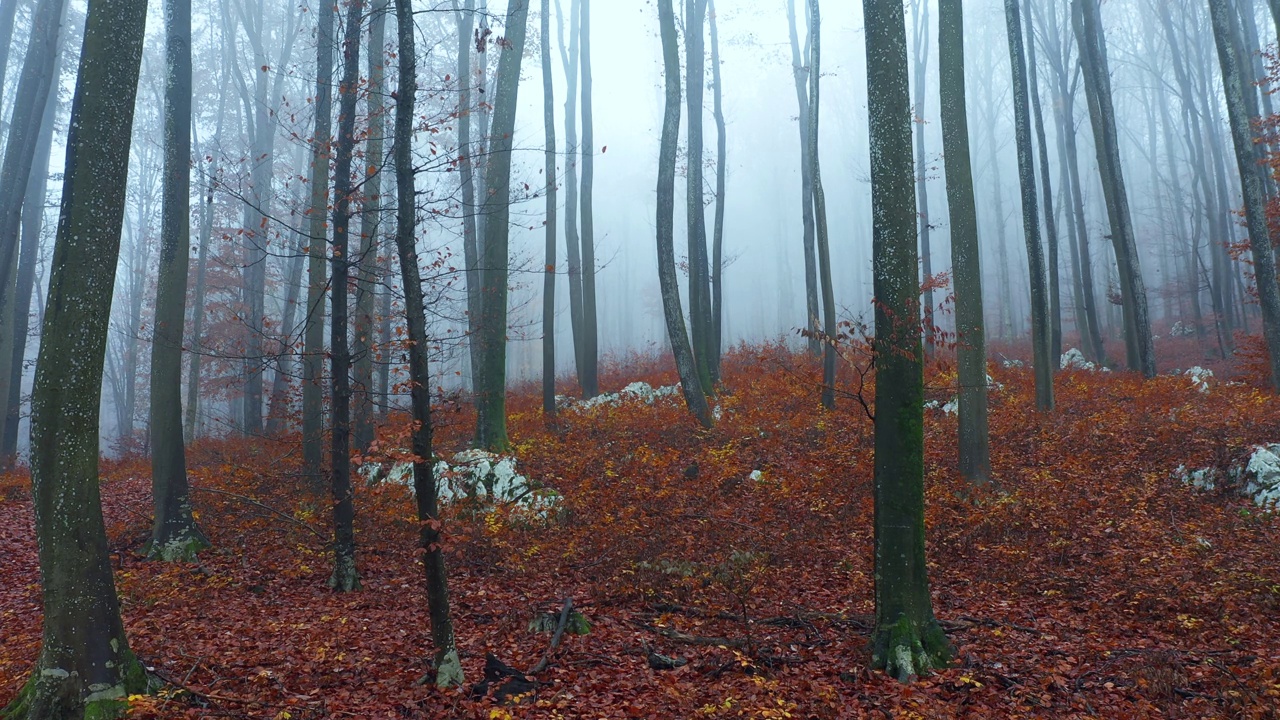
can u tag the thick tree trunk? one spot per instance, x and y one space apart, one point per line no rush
717 233
549 268
799 74
447 666
1140 351
1041 342
174 534
690 384
491 420
345 578
370 221
313 332
907 639
820 211
589 379
971 346
85 666
1264 263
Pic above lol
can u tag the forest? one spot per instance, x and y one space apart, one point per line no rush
360 359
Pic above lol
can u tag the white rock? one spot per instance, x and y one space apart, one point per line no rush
1263 473
1075 359
1200 378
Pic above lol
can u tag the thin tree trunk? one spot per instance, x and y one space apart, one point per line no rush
920 53
85 665
907 639
278 407
695 210
174 534
549 268
971 347
589 378
690 384
820 211
799 75
717 233
197 301
466 175
8 13
1046 184
569 59
345 578
448 668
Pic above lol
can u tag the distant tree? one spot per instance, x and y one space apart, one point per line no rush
690 382
695 208
8 15
569 52
1236 84
448 668
1097 83
491 420
549 270
345 578
174 534
465 18
820 211
85 667
717 233
907 639
920 57
1041 342
1046 200
313 330
590 324
971 346
799 72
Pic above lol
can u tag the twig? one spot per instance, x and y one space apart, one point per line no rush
687 639
555 639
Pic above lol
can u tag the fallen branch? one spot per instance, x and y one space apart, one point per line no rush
676 635
555 639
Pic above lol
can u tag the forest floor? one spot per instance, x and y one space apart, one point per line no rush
1092 584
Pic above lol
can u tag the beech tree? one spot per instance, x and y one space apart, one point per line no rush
799 72
590 323
907 639
820 212
695 208
549 270
85 668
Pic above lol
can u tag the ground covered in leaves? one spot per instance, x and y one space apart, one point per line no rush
1092 583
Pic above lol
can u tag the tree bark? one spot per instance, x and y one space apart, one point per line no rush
695 210
690 383
447 666
971 346
1041 343
85 666
1242 137
491 420
345 578
907 639
174 534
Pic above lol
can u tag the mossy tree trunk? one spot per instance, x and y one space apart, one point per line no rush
690 382
907 639
345 578
491 420
174 535
971 345
448 668
85 666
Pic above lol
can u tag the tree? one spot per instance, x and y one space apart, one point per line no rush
573 250
920 53
174 534
695 209
549 271
1041 343
1046 184
589 378
820 211
907 639
1097 84
491 418
448 667
85 666
971 346
1251 181
799 72
690 382
345 578
465 17
313 331
717 233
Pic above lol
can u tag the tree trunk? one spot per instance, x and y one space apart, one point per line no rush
8 14
799 74
1041 342
971 346
313 333
174 534
1046 183
466 175
491 420
1242 136
690 383
197 302
345 578
820 211
907 640
920 53
85 666
549 268
447 666
569 59
278 409
589 379
370 222
1097 82
695 210
717 233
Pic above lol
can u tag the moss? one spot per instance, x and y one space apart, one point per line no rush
180 549
17 709
904 650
